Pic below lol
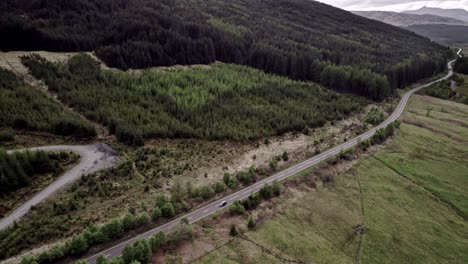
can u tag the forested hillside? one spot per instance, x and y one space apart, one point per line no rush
23 108
300 39
220 102
17 170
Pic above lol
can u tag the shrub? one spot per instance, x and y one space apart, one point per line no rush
251 223
206 192
128 222
237 208
142 220
7 135
168 210
156 241
156 213
233 231
374 117
112 229
138 251
77 245
220 187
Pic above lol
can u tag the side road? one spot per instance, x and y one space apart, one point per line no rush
213 207
92 158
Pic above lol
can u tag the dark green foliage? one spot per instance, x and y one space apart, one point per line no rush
222 102
156 214
251 202
383 133
233 231
220 187
251 224
266 192
18 169
168 210
206 192
7 135
374 117
77 245
285 156
112 229
94 235
138 251
156 241
461 65
23 108
295 38
236 208
142 219
443 90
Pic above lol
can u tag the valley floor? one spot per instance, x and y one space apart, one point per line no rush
408 200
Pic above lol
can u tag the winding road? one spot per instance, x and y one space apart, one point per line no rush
92 158
116 250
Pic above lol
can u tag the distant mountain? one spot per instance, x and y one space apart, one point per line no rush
404 19
445 34
460 14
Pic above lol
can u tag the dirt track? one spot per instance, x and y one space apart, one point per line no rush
92 158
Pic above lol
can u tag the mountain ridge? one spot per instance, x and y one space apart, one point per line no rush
407 19
460 14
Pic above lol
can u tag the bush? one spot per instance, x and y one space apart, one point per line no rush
233 231
138 251
206 192
266 192
236 208
156 214
374 117
77 245
7 135
128 222
168 210
156 241
220 187
251 224
112 229
143 220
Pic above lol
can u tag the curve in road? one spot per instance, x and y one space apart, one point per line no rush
92 158
213 207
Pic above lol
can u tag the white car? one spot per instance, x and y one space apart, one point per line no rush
222 204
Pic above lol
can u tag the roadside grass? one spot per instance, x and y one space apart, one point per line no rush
413 196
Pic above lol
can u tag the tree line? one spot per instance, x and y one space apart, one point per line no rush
23 108
18 169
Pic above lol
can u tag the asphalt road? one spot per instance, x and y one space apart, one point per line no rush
211 208
92 158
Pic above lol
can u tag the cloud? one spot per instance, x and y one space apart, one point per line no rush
394 5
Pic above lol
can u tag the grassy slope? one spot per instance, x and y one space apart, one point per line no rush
409 213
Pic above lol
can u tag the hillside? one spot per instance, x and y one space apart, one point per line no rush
446 34
404 19
294 38
460 14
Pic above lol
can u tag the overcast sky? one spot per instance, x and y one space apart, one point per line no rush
394 5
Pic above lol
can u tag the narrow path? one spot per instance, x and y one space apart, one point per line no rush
92 158
200 213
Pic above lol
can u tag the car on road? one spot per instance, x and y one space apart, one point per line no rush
222 204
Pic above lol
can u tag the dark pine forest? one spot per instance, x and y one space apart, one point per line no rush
301 39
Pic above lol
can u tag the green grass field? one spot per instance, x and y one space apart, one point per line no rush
413 196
